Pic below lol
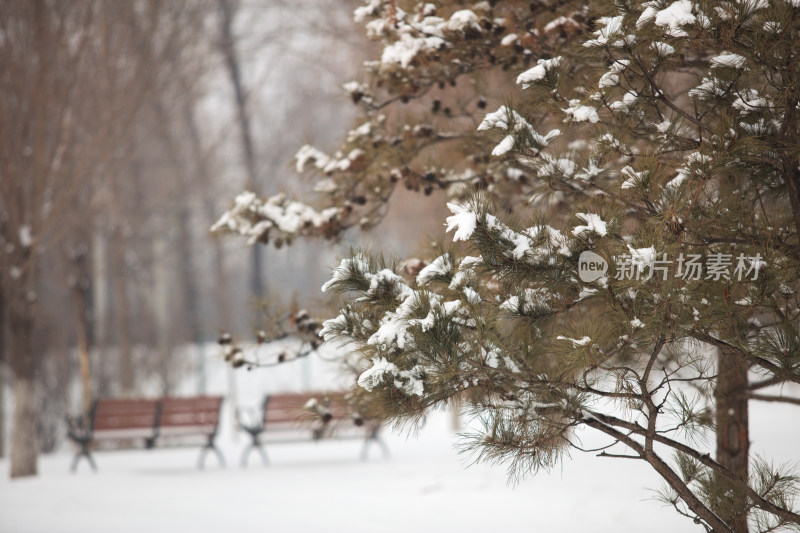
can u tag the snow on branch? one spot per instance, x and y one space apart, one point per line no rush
255 219
520 131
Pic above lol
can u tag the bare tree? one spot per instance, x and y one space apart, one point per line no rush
233 65
74 76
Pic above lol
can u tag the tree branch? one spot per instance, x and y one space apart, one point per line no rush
772 398
704 458
664 470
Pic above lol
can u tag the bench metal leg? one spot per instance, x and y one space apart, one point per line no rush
75 460
255 443
261 451
264 456
377 440
212 447
384 447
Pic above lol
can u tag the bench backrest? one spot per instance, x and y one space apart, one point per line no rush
196 415
140 418
289 407
127 418
285 408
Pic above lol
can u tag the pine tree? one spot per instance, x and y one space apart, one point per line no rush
625 227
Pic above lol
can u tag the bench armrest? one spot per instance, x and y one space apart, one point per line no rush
249 419
78 428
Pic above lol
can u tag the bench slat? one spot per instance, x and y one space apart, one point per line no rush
120 414
199 414
287 410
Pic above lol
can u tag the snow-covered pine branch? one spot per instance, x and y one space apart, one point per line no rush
610 274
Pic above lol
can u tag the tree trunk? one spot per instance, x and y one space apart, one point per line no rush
100 308
81 303
162 311
191 298
220 276
455 412
2 407
80 287
227 44
733 442
257 276
186 258
2 374
23 440
121 308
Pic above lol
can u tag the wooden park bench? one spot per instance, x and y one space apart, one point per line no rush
290 418
148 422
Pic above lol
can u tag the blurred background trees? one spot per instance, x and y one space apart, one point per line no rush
121 145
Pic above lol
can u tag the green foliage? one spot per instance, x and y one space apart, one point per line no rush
672 143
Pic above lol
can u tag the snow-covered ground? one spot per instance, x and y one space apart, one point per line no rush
424 486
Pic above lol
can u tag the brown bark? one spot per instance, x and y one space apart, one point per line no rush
191 298
227 45
2 409
733 443
80 301
2 374
162 314
703 458
186 257
221 286
714 521
220 276
455 412
121 312
789 157
23 442
100 314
